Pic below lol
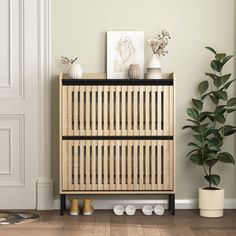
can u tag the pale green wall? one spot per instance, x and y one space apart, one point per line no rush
79 27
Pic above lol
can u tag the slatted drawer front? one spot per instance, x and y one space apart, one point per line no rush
117 110
117 165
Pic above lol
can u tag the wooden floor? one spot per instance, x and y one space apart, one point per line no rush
104 223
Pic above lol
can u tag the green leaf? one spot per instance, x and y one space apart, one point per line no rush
216 65
211 75
227 58
210 161
211 49
194 128
231 102
187 126
220 118
192 152
202 116
229 83
226 157
196 159
193 113
202 127
216 133
225 78
191 144
195 122
217 82
220 95
220 56
213 146
231 110
203 86
214 99
228 130
197 103
205 95
213 179
220 110
198 137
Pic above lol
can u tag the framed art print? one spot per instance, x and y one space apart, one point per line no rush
123 49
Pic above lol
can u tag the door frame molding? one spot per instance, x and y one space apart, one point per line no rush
44 182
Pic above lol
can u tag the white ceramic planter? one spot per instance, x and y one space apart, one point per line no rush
154 68
75 71
211 202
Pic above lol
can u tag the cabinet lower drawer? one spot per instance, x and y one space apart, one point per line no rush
117 165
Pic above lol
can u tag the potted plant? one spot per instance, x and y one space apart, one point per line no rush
209 128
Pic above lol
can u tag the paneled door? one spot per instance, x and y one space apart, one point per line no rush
18 104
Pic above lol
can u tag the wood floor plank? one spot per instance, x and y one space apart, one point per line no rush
105 223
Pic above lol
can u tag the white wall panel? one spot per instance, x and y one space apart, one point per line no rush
11 25
12 150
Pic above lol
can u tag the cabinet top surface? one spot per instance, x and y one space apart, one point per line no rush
101 82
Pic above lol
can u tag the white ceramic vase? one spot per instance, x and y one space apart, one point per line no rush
75 71
211 202
154 68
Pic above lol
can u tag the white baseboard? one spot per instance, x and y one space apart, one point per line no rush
179 203
45 194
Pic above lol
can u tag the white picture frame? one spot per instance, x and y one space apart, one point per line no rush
124 48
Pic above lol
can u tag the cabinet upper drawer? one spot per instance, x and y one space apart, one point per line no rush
91 110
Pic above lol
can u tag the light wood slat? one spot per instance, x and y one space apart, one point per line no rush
112 127
123 110
130 131
82 128
171 111
166 165
129 167
147 163
166 104
65 110
82 161
69 160
112 162
99 110
106 110
94 110
141 109
147 112
87 111
99 167
153 166
153 111
160 132
87 165
76 129
64 166
117 165
118 111
76 186
141 167
171 165
105 165
123 164
135 107
135 164
70 115
94 169
159 184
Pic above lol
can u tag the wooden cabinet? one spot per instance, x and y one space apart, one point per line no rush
117 137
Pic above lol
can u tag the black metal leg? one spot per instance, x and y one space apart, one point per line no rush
171 203
169 200
62 204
